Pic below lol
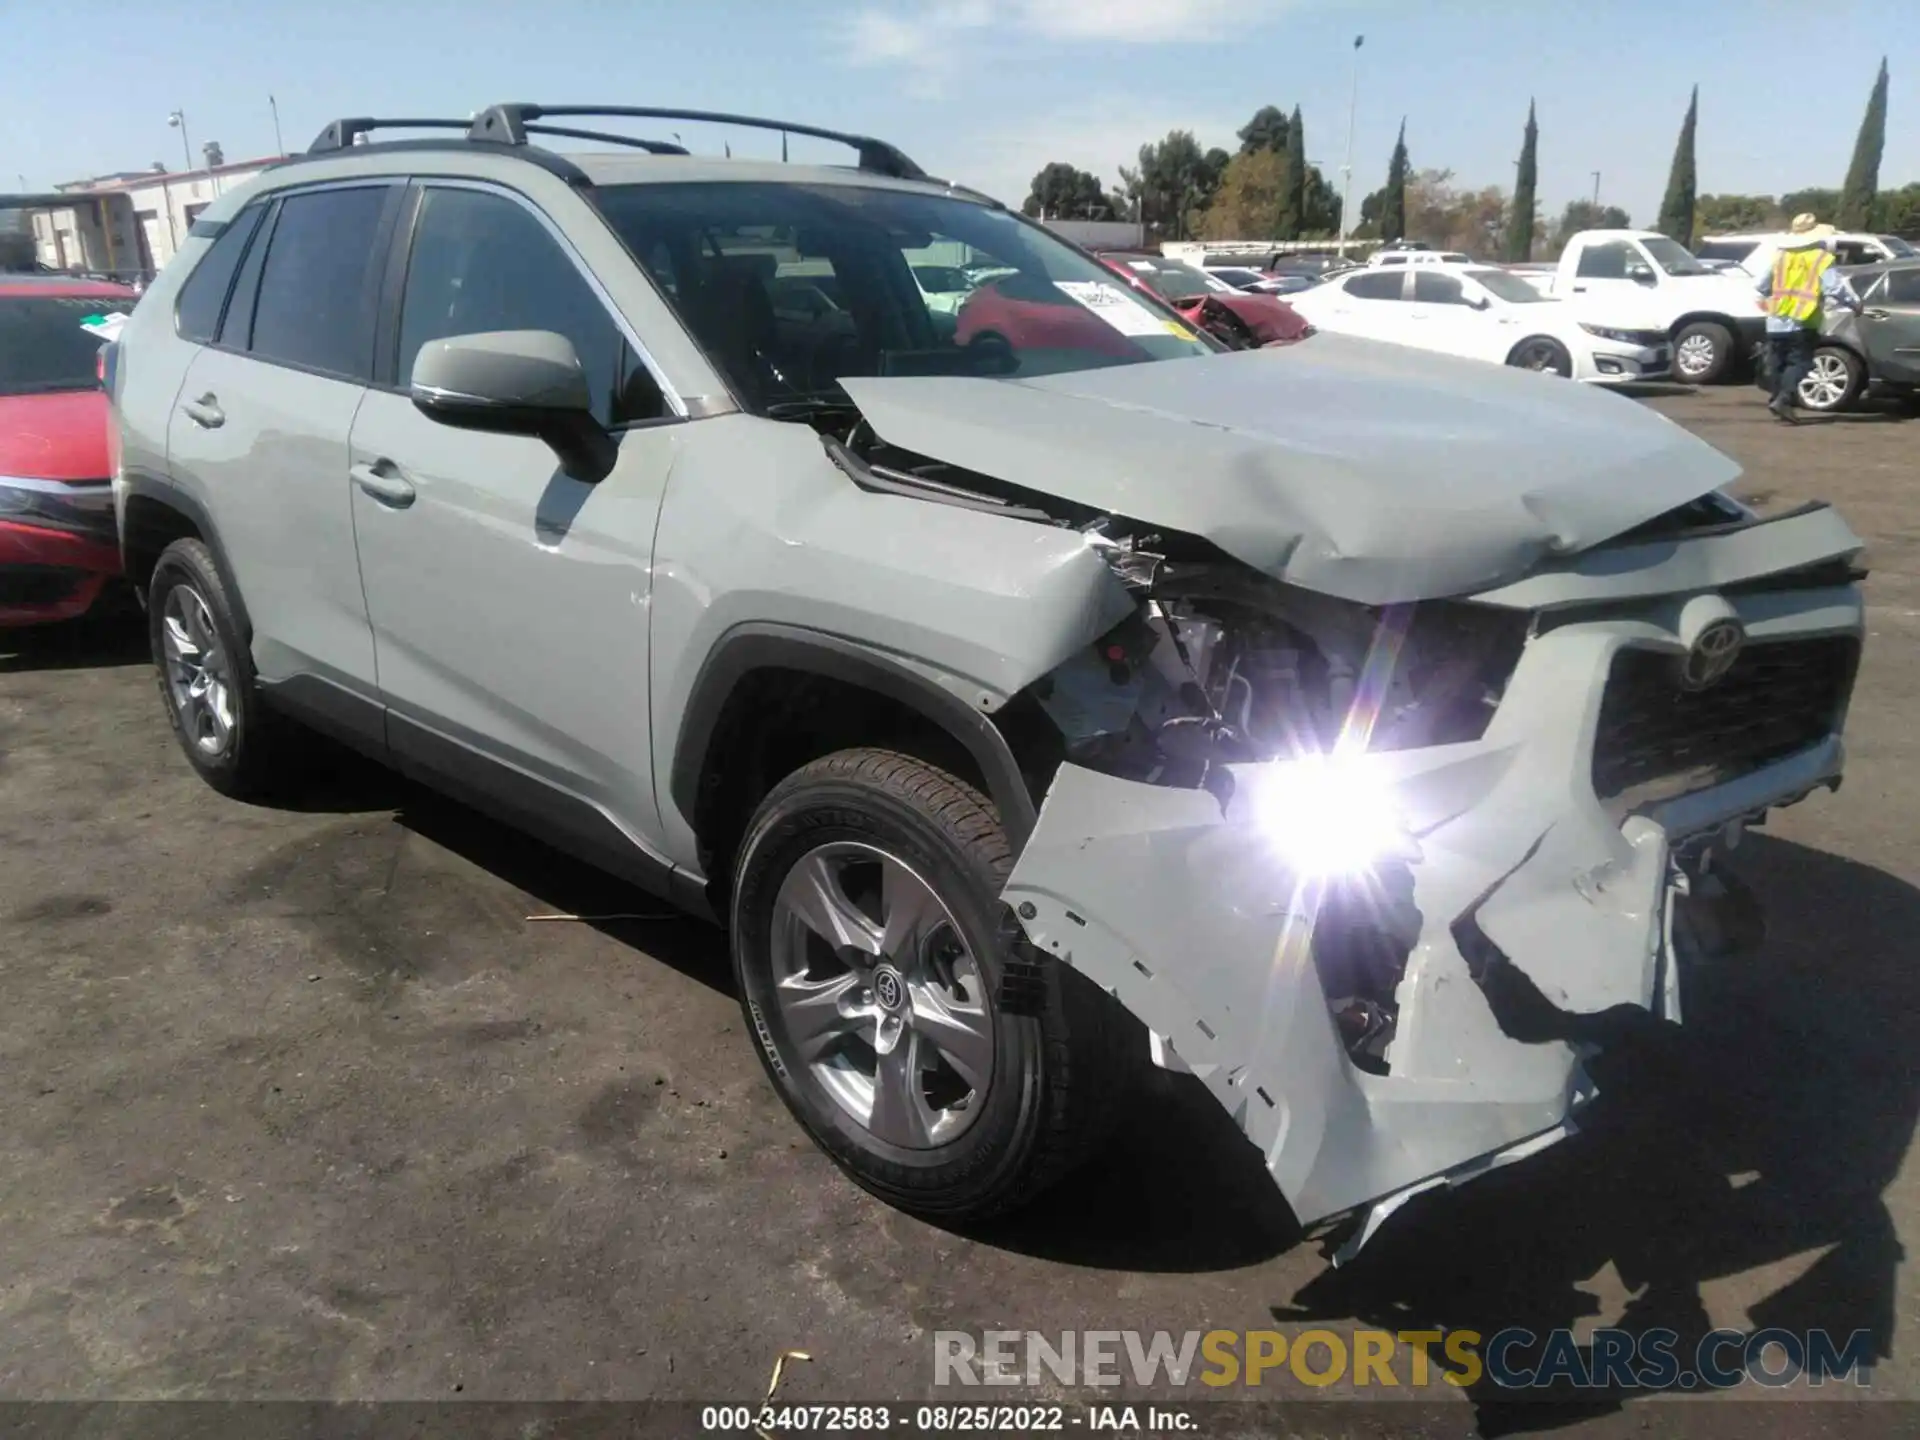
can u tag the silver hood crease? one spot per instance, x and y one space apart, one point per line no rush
1455 477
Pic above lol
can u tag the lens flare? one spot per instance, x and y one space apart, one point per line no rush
1328 815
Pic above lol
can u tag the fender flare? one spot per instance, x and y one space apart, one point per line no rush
754 646
172 497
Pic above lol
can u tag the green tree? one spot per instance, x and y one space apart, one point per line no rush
1856 210
1900 210
1249 199
1676 210
1583 215
1170 183
1065 192
1817 201
1293 201
1735 214
1267 130
1393 200
1520 223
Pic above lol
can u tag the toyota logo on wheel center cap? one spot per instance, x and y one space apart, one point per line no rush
1713 653
889 989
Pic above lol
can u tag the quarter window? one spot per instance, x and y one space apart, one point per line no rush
197 316
316 290
482 262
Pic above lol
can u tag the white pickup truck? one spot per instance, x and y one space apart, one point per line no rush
1713 319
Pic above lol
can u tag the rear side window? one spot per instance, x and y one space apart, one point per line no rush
1383 286
197 316
316 289
482 262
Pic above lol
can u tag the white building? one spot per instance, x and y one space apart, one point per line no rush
131 223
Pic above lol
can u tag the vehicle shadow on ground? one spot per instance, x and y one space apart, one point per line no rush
103 641
1758 1137
333 779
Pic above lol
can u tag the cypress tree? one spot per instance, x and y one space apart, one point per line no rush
1676 211
1863 175
1520 222
1393 206
1293 202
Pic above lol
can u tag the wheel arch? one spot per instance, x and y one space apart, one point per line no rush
735 729
155 515
1704 317
1526 340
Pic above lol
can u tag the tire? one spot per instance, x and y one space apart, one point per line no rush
1834 383
1544 354
943 1145
1703 352
205 670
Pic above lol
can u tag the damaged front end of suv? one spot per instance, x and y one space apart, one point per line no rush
1414 748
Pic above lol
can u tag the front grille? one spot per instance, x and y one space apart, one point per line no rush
35 584
1657 740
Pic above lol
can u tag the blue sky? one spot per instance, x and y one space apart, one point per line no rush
986 91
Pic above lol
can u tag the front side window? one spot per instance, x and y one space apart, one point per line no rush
482 262
42 345
197 315
1610 261
790 288
1902 287
1432 288
315 308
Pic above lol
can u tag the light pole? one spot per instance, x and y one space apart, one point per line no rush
1346 186
178 120
1596 189
279 145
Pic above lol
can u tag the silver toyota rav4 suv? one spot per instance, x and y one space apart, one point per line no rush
1033 690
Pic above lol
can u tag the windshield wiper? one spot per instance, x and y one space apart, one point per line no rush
810 407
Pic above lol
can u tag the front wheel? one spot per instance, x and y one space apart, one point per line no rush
1703 352
1542 353
868 951
1833 381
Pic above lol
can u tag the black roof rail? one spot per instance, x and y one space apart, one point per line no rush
510 125
342 133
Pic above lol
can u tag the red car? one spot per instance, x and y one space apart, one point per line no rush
1240 317
58 542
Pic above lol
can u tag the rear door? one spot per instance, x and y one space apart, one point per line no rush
510 599
261 424
1890 326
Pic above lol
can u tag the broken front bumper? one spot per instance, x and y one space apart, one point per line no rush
1175 902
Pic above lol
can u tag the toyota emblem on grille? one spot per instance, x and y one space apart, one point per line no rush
1712 656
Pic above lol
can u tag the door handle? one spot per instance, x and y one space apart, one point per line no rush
1579 289
384 482
1875 315
205 412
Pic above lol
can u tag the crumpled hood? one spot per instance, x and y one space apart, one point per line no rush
1372 472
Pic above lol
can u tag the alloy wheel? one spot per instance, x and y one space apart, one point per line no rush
878 994
1539 355
1827 382
1694 356
199 674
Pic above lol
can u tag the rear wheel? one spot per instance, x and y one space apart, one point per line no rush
1833 382
1703 352
1542 353
206 673
869 951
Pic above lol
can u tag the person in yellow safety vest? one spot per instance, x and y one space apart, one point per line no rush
1794 294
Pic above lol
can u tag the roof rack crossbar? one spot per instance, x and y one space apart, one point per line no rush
652 147
508 124
341 134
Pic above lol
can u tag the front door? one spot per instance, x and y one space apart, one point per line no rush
509 599
1890 327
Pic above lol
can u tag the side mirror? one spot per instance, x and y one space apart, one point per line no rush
1480 302
515 382
1640 275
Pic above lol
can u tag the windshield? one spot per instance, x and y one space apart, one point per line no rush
1733 251
1673 257
43 348
1171 280
1899 248
1505 286
745 264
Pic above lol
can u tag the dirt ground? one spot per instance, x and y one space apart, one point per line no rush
297 1103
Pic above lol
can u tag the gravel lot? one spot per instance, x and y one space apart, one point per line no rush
298 1104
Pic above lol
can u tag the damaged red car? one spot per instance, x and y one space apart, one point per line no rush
1242 318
